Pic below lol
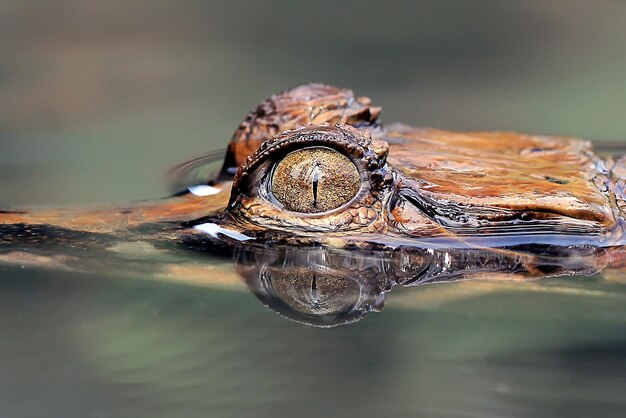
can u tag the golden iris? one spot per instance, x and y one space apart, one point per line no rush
313 180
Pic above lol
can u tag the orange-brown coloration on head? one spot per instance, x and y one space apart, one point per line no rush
300 106
537 176
453 184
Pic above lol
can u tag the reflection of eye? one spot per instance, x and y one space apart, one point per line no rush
308 292
313 180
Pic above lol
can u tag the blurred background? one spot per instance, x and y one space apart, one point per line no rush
98 99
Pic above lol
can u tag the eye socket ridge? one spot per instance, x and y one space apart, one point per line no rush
313 180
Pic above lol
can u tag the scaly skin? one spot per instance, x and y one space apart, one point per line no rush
425 184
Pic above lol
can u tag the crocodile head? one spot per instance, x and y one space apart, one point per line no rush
314 166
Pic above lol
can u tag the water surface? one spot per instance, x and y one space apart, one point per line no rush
99 100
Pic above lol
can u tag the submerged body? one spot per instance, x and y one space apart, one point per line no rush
313 167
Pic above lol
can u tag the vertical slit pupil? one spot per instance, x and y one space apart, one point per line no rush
313 180
316 177
314 287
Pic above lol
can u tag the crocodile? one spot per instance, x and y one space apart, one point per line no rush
312 176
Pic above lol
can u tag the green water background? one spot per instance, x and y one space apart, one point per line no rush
99 99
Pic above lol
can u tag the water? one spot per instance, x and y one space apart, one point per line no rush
91 345
188 333
99 101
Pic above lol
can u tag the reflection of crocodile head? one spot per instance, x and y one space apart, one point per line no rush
327 287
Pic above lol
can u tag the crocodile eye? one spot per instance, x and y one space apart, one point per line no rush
313 180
